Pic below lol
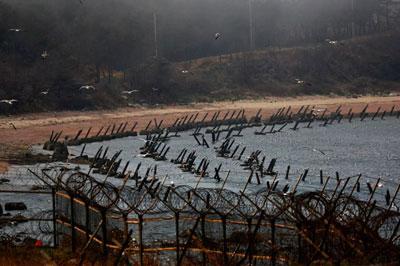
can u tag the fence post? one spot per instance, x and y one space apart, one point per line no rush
273 255
73 233
203 237
177 237
299 246
53 195
140 238
225 250
250 240
104 231
87 220
126 226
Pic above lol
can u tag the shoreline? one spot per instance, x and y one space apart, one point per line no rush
36 128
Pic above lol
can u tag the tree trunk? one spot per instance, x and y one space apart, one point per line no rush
97 73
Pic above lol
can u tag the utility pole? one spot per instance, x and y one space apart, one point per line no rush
387 14
155 34
251 33
352 19
15 34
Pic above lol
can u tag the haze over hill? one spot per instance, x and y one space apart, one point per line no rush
136 51
363 65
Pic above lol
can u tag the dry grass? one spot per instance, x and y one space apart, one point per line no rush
23 256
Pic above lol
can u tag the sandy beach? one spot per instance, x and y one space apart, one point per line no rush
35 128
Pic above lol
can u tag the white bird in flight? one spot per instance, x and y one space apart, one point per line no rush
44 55
299 81
44 92
15 30
217 35
130 92
318 110
317 150
10 102
331 42
87 87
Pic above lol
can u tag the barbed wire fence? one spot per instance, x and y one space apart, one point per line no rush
191 224
217 226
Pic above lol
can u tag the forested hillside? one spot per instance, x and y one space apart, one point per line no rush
129 50
362 65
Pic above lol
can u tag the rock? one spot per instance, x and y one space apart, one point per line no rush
15 206
48 146
60 152
17 219
36 187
